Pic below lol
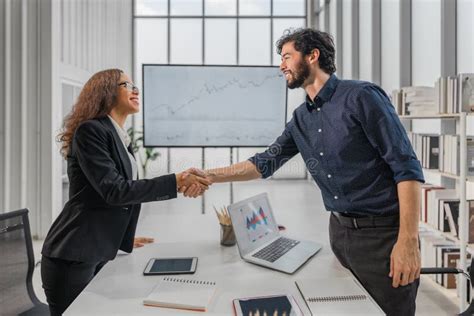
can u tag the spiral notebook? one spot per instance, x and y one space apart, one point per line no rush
337 296
182 293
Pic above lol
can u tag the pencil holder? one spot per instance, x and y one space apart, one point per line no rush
227 235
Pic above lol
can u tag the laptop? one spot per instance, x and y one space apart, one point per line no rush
259 239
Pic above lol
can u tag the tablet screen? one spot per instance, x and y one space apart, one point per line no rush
171 265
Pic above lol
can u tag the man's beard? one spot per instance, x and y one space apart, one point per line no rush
299 75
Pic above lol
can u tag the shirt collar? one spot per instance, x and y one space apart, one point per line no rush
121 132
324 94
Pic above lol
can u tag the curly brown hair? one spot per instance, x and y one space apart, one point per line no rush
97 98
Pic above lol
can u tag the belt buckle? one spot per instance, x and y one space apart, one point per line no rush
354 221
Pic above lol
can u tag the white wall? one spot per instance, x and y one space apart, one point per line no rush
2 108
366 57
465 36
350 43
335 29
322 16
426 42
390 50
19 113
48 49
94 35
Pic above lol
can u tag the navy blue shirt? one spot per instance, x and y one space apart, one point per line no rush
353 144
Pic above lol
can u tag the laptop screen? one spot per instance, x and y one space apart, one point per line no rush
253 221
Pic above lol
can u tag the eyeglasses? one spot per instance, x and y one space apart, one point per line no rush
130 86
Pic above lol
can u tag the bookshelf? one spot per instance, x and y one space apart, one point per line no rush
448 236
432 116
447 175
462 179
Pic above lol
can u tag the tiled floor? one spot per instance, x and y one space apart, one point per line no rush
432 300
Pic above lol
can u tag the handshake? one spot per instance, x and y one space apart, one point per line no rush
193 182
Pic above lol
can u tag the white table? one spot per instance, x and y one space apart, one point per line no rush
120 286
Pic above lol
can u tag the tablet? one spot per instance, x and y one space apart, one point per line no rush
160 266
267 305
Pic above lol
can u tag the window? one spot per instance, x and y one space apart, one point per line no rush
210 32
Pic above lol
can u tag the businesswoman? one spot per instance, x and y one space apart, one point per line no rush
104 194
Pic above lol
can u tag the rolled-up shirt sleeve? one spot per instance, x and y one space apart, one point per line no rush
277 154
385 132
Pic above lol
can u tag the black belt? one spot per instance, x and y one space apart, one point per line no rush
357 221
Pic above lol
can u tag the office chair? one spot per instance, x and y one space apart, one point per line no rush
469 275
17 296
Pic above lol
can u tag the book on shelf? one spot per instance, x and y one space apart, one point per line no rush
397 100
444 224
447 212
181 293
430 152
418 93
452 213
433 205
433 152
437 251
440 209
455 94
418 100
429 243
425 188
450 280
470 156
440 94
450 261
466 92
442 152
442 251
452 94
421 108
450 153
470 207
427 149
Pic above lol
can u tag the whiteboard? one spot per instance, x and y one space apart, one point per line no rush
212 106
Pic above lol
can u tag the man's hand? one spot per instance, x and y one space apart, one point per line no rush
405 262
192 182
141 241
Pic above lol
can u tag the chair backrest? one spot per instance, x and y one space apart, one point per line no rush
16 263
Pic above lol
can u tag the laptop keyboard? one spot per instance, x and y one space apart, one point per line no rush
276 249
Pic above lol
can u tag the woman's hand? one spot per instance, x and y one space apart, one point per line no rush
192 182
141 241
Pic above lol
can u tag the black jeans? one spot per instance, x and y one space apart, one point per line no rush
64 280
365 251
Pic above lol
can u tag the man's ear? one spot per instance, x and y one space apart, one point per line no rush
313 57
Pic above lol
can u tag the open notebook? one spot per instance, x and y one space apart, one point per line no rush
337 296
181 293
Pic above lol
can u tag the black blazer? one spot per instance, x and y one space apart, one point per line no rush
104 203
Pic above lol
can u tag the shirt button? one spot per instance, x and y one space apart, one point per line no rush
321 153
335 197
320 130
318 109
329 176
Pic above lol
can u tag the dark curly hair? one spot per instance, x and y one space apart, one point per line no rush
97 98
305 40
